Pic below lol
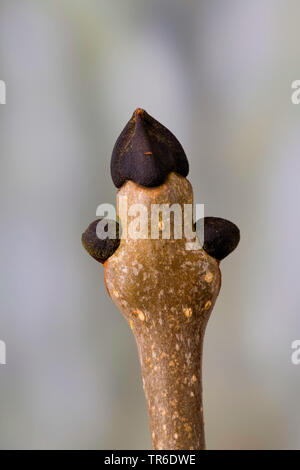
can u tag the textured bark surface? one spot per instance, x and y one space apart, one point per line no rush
166 293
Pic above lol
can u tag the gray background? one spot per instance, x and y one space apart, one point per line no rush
218 74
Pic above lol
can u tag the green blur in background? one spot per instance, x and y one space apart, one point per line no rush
218 74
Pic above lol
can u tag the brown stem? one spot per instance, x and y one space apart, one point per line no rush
172 383
166 292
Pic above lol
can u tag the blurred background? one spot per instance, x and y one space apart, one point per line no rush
218 74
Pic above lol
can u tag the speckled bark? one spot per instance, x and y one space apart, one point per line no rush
171 368
166 293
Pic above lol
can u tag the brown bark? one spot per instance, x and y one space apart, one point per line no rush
171 370
166 293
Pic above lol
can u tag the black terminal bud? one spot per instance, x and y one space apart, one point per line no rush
146 152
